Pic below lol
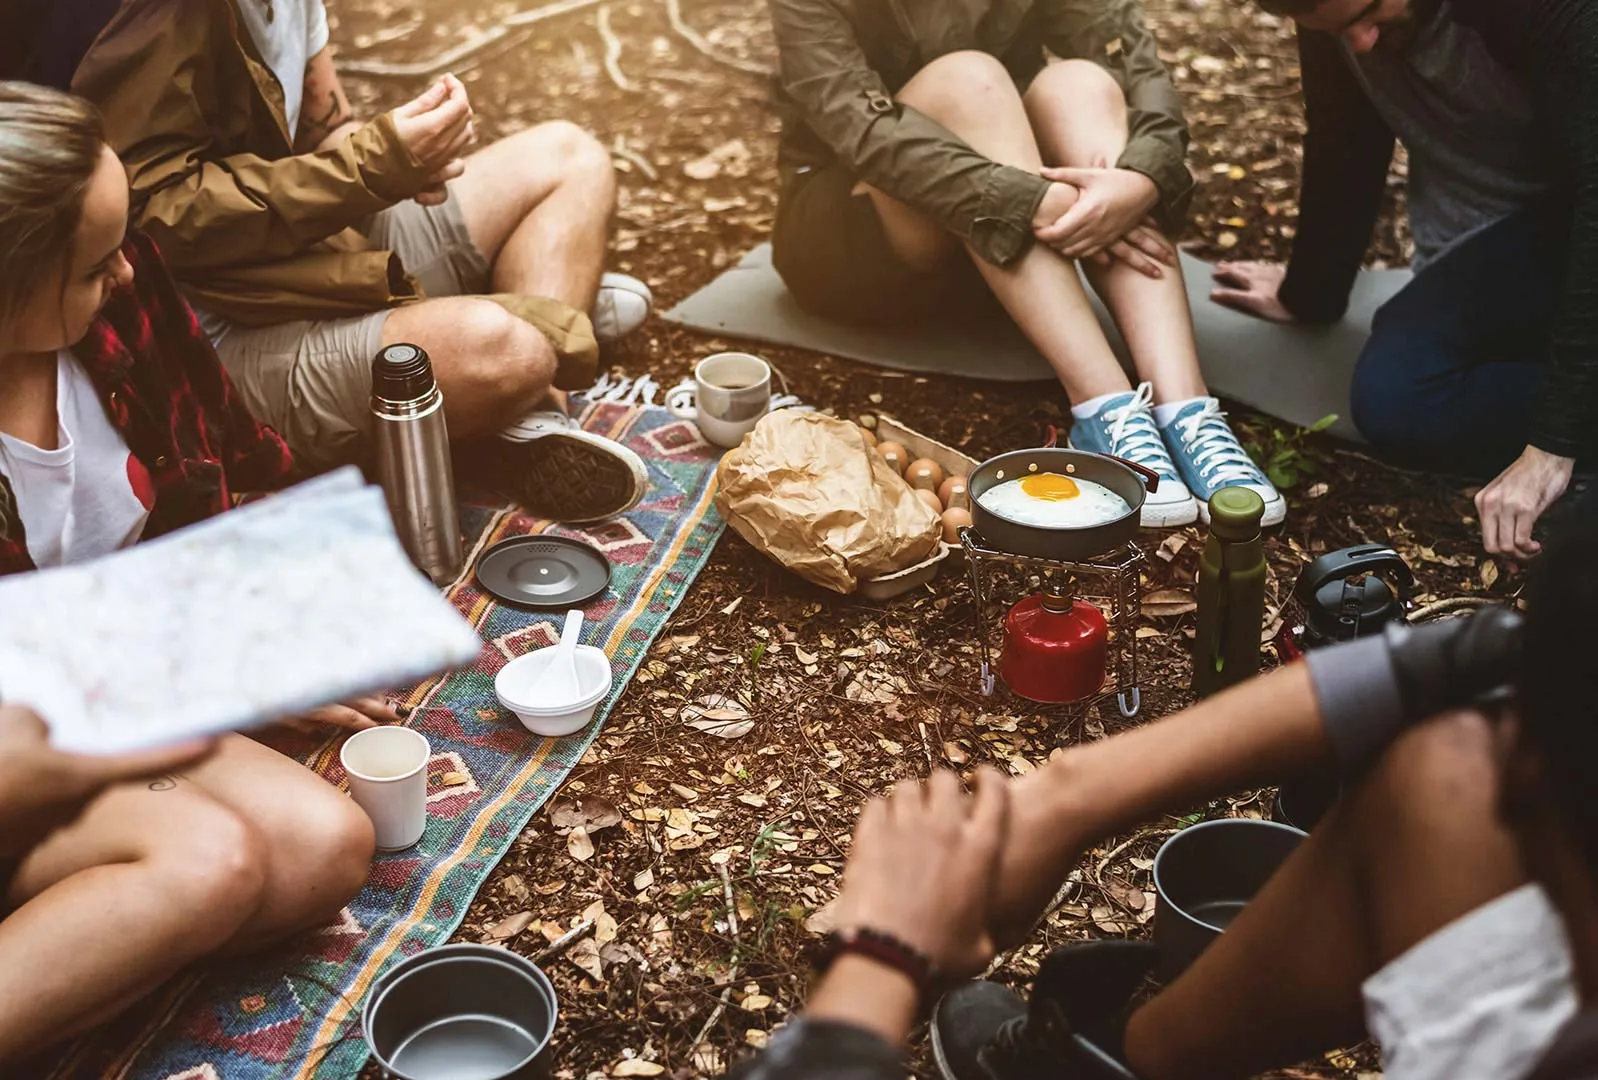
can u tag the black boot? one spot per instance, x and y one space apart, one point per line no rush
1071 1029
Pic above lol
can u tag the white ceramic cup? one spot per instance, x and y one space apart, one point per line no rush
731 392
387 769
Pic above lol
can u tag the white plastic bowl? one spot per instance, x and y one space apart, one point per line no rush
514 686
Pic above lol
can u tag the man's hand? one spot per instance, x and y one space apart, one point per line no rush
356 715
923 865
1111 204
42 788
437 129
1512 503
1252 288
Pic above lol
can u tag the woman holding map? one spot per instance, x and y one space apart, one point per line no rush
117 424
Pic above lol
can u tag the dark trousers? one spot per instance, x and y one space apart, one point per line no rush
1454 363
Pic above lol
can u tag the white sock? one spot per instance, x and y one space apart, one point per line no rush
1090 408
1164 414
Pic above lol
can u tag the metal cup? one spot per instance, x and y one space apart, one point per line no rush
1205 875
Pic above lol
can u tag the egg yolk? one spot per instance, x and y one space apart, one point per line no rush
1050 487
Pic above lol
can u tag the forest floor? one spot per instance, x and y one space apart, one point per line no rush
704 861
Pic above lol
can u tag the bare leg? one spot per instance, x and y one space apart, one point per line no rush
491 366
1079 115
153 877
317 844
1416 847
539 204
971 94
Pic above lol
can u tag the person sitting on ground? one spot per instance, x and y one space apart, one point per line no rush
1447 905
118 423
1486 363
307 241
916 146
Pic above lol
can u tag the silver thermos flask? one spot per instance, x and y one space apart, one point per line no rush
413 460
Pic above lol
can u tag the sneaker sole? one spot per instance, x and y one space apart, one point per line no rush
574 477
938 1057
1275 513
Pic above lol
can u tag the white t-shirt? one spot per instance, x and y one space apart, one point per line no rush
88 497
287 34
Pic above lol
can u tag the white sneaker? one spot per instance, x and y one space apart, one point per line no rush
621 307
561 472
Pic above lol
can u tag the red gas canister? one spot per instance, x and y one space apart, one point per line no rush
1054 649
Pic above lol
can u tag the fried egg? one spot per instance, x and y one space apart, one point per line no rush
1054 501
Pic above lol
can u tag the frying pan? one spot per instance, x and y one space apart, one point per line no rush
1127 479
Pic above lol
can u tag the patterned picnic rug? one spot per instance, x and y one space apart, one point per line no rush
296 1015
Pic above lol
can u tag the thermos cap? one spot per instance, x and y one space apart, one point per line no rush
1235 513
402 373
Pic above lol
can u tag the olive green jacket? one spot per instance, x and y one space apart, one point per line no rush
842 61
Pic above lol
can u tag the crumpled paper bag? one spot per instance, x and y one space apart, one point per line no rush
806 489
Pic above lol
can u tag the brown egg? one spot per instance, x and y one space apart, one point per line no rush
869 436
954 519
930 499
894 455
924 473
952 493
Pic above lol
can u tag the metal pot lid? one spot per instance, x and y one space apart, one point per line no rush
543 571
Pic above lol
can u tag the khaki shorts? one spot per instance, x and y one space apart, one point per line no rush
312 380
1481 999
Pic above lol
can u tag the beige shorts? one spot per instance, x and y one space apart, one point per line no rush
1481 999
312 380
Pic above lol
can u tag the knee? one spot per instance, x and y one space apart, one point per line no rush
333 846
582 157
217 868
508 357
1383 402
965 83
1442 770
1081 83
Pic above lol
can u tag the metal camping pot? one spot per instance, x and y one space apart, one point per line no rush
461 1012
1127 479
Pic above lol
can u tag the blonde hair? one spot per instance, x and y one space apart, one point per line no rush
50 146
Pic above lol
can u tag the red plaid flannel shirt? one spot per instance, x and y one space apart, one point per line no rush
165 391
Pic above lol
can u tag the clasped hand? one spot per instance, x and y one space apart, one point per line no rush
1103 215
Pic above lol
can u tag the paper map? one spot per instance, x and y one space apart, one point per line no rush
264 612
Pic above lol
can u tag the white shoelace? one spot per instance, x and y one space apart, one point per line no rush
1220 458
1133 434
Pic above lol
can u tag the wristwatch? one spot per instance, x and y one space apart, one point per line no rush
885 949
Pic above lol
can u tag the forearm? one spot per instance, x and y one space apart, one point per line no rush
1347 150
1250 735
325 112
854 1028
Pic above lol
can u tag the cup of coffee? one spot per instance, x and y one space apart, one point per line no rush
731 392
387 769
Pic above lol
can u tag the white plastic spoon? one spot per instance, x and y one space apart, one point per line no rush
558 684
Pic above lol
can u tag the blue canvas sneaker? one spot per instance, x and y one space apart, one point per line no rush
1211 458
1124 427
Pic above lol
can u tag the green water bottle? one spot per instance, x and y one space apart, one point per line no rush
1231 593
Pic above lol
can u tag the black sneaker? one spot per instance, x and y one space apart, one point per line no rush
983 1031
1071 1030
561 472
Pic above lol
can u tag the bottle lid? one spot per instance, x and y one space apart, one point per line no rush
1235 513
402 373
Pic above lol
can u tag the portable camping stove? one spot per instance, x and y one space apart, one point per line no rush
1112 580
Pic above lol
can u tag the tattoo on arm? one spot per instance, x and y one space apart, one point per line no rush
326 107
164 783
337 112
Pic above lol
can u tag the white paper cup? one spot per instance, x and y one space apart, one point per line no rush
387 769
731 392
